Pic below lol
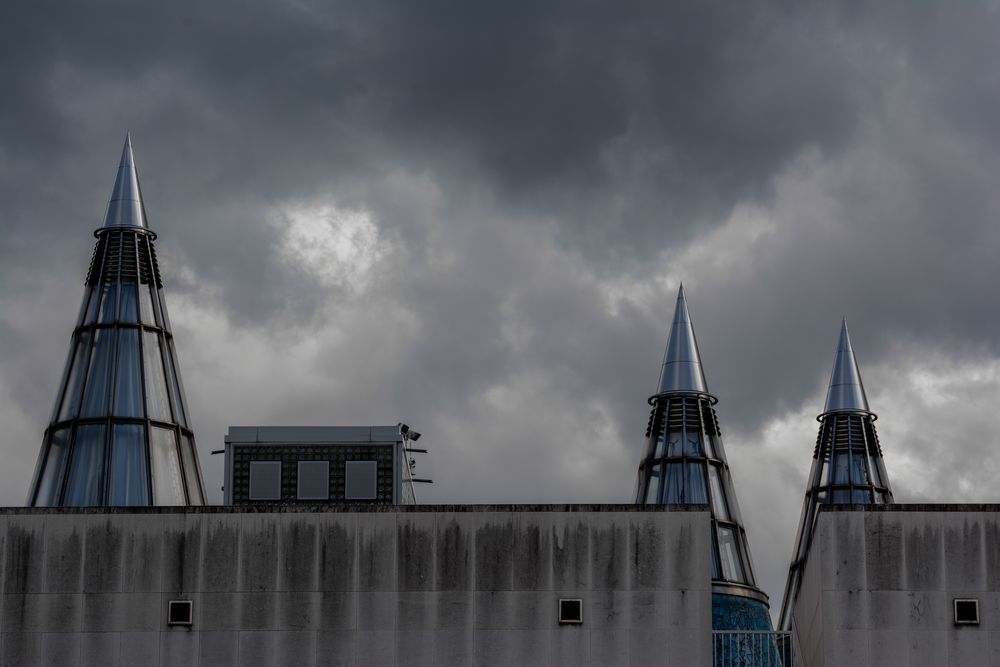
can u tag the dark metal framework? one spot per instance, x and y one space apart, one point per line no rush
119 432
685 463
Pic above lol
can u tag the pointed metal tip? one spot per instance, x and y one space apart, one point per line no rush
846 392
125 209
682 369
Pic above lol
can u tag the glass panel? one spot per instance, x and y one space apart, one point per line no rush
841 496
128 389
48 487
95 400
859 476
168 489
729 556
86 471
146 305
861 496
694 485
840 467
654 485
190 459
692 444
95 303
661 445
674 484
176 388
130 302
157 404
87 291
716 569
674 443
718 498
709 443
164 318
734 506
109 301
128 466
74 382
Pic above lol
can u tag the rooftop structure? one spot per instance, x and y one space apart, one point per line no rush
119 433
310 464
685 463
847 466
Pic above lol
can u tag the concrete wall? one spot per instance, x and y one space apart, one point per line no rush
473 585
879 583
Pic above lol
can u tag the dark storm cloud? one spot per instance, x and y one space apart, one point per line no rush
538 177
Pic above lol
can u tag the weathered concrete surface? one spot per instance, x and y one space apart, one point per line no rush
365 586
879 583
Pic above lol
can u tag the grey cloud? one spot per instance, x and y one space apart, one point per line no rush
519 159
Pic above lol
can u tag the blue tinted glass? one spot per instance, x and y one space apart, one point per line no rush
48 487
87 293
157 403
86 480
674 444
859 475
130 303
694 486
95 400
128 466
74 382
841 465
109 302
692 444
861 496
94 305
674 492
128 388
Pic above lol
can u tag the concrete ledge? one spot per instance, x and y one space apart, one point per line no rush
344 508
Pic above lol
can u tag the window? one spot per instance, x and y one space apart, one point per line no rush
966 611
360 480
314 480
180 612
265 480
570 611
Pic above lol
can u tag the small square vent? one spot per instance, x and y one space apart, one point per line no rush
571 611
966 611
180 612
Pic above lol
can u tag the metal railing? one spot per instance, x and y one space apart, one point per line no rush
753 648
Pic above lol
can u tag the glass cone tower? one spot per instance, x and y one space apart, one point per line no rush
685 463
847 463
119 432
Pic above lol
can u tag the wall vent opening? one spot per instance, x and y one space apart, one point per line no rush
966 611
180 612
570 611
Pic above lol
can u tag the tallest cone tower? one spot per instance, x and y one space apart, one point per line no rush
685 463
119 432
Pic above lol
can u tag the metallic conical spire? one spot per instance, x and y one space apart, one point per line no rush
847 463
846 393
684 462
682 369
126 208
119 432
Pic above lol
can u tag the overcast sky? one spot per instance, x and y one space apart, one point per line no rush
474 217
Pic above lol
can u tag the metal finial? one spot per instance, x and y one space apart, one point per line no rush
126 208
